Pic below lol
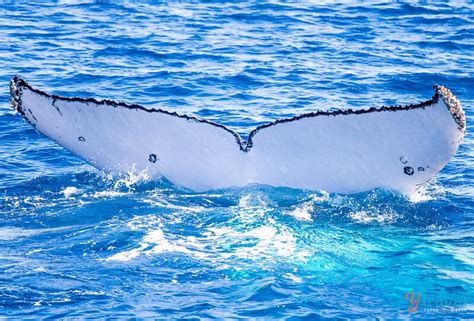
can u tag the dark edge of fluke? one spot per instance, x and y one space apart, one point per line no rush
453 104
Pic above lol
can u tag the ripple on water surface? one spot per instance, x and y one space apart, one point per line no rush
75 242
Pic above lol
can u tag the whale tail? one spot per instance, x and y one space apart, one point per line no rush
344 151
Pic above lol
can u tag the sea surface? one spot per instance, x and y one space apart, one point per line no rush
78 243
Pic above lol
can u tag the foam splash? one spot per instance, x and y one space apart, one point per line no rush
302 212
255 244
132 177
250 235
71 191
366 217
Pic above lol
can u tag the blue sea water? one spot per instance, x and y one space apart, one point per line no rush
77 243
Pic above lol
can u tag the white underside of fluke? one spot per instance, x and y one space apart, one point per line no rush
343 151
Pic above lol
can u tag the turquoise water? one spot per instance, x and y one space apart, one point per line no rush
77 243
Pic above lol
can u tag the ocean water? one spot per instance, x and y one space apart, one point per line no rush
78 243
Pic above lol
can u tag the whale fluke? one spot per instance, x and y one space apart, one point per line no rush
342 151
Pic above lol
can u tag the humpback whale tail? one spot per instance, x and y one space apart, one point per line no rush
343 151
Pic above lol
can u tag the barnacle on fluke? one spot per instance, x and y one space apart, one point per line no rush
152 158
408 170
454 106
339 151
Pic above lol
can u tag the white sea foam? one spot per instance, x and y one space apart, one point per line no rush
302 212
292 277
367 217
246 237
254 244
125 255
108 194
432 190
162 202
71 191
12 233
132 177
